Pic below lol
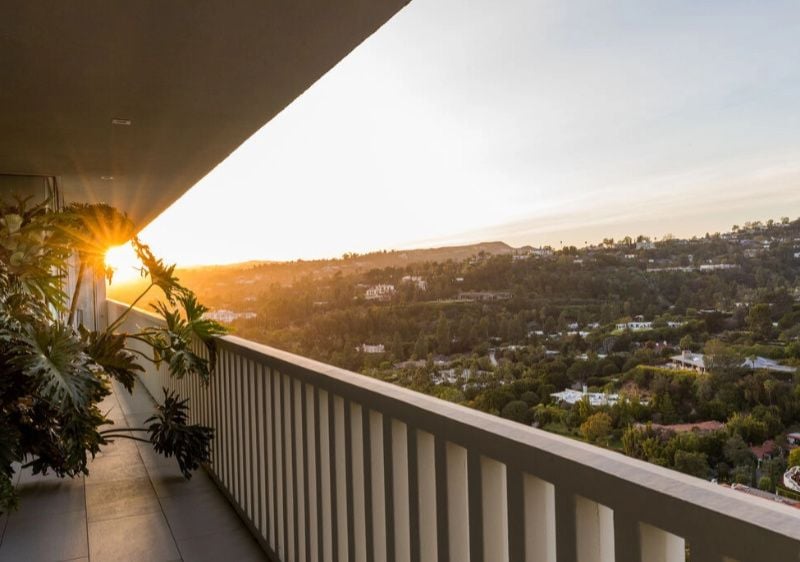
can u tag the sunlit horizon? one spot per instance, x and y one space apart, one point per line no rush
533 123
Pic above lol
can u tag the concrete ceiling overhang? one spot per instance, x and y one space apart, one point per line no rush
195 78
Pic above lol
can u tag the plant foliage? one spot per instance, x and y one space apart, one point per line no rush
54 374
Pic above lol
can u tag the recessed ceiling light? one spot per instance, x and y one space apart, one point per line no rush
106 178
118 121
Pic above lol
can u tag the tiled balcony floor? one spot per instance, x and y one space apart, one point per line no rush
134 506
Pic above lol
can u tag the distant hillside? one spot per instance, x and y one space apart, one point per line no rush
213 279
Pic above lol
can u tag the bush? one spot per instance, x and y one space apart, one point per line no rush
794 457
516 410
693 463
530 398
596 427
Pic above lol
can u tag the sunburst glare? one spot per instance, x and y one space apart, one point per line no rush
124 262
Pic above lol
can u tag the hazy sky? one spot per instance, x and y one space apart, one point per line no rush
533 122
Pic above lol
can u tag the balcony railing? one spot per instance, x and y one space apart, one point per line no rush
324 464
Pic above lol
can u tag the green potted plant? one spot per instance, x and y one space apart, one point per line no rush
53 376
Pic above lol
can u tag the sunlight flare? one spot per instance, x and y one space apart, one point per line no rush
124 262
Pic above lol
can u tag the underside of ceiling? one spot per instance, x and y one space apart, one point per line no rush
194 78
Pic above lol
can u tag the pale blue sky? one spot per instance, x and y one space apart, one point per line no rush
527 121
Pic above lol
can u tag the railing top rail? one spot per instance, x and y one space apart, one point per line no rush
676 502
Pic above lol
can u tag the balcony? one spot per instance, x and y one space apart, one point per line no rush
324 464
319 464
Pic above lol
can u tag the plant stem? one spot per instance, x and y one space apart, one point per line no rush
122 316
73 305
127 437
143 354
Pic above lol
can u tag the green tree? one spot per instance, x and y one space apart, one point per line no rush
737 453
397 347
750 429
516 410
421 347
722 361
794 457
443 337
759 321
692 462
597 427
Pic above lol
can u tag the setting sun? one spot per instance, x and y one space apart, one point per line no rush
124 262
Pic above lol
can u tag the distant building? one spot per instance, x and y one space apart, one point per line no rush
379 292
767 364
570 396
689 360
368 348
766 450
696 361
420 283
636 326
645 245
228 316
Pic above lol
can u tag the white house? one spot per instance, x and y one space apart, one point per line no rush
637 326
379 292
228 316
689 360
570 396
696 361
420 283
367 348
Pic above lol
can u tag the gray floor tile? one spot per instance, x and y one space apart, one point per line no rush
150 458
168 481
119 446
139 419
137 538
116 467
45 537
114 499
138 402
236 545
200 514
50 495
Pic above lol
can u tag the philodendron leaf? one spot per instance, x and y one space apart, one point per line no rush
54 357
171 435
109 352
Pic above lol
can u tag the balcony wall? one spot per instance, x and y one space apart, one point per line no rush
325 464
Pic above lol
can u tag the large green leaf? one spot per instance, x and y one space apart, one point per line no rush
53 356
171 434
109 352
